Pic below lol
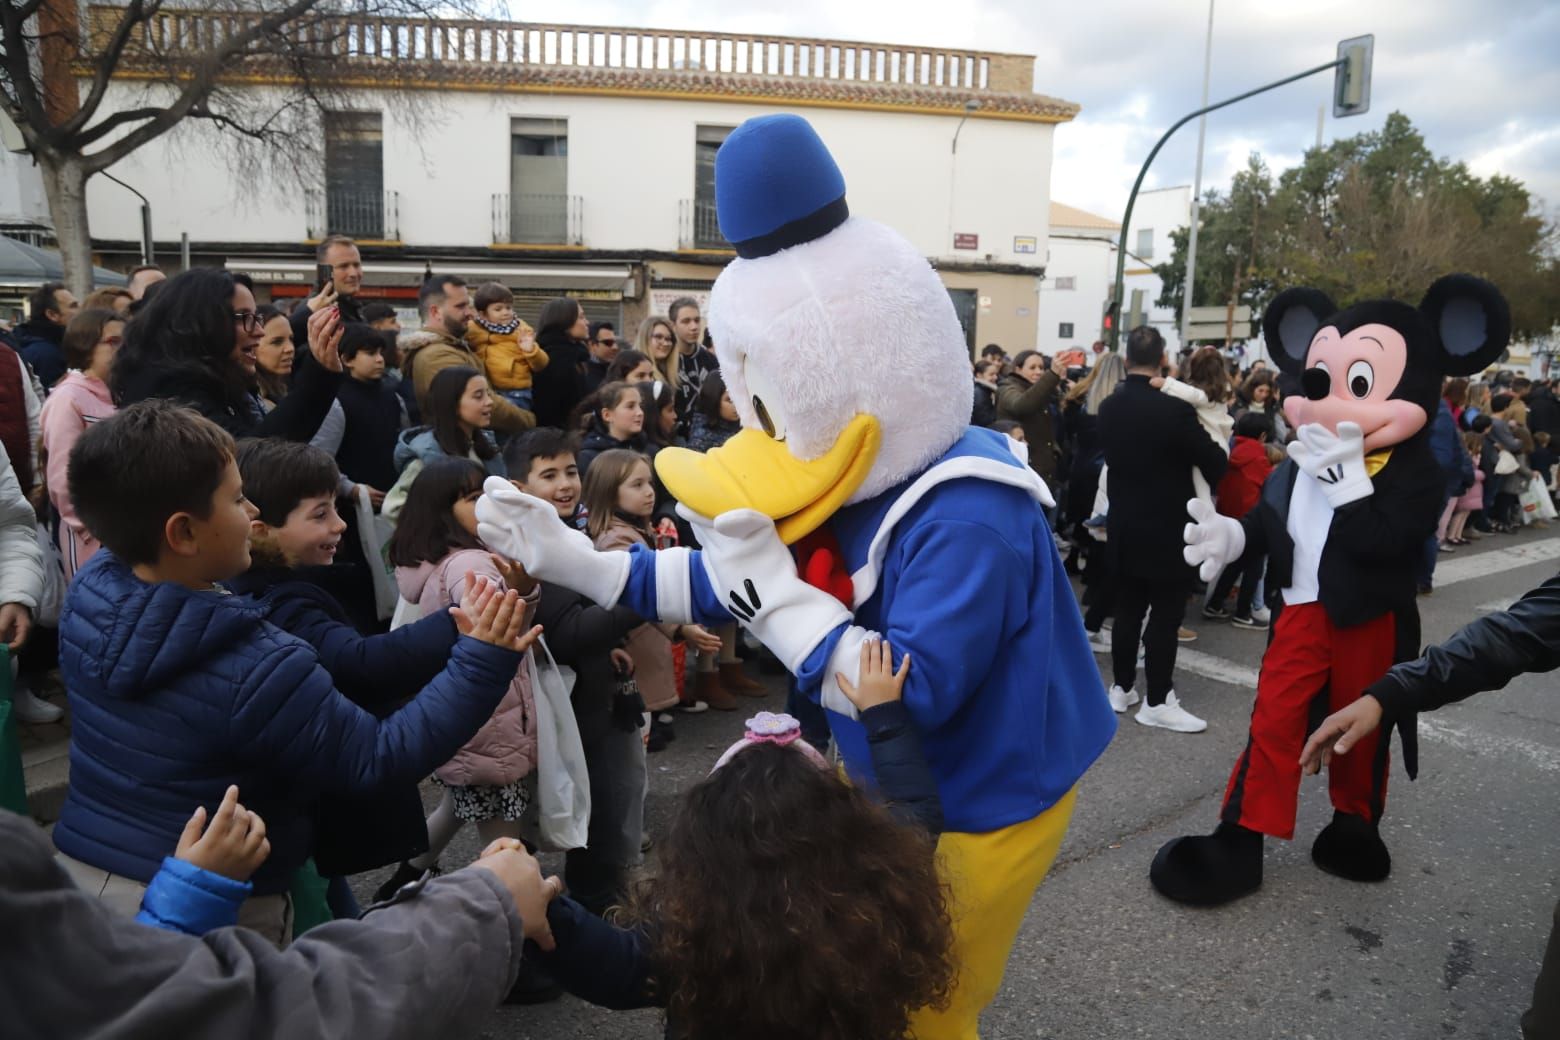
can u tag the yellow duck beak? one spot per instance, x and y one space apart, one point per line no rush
754 471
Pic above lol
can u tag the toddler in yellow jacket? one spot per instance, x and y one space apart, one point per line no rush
505 344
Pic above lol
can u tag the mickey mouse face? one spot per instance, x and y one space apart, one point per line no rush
1380 363
1350 377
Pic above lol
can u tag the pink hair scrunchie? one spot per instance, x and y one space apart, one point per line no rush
768 727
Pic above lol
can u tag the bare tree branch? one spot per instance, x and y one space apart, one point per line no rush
107 60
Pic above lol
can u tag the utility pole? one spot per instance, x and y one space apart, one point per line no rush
1202 133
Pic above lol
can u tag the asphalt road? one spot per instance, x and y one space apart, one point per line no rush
1447 947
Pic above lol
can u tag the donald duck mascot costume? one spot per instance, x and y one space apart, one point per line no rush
857 503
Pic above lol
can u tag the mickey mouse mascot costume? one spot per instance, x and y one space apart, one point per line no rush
857 503
1344 522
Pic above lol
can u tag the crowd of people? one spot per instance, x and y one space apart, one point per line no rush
1492 439
205 498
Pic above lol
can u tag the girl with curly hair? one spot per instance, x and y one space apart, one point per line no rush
789 903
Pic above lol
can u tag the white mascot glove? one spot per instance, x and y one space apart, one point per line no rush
1213 540
1337 461
528 531
754 575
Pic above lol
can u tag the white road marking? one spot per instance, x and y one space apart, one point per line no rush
1216 668
1482 565
1482 745
1458 734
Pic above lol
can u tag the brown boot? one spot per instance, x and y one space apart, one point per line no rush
708 689
733 679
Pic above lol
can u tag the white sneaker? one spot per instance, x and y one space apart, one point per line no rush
33 709
1121 699
1262 615
1099 641
1170 715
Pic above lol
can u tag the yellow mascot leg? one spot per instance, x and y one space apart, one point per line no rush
993 877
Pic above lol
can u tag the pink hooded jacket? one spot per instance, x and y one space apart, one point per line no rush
504 749
76 402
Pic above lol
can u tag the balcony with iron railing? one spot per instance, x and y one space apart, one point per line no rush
698 227
538 220
525 56
368 215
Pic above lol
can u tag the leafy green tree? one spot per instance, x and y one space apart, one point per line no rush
1367 216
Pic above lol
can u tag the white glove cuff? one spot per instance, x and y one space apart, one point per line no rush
606 580
1351 488
846 661
673 588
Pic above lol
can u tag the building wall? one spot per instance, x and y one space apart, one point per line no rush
1084 255
1160 212
21 190
631 160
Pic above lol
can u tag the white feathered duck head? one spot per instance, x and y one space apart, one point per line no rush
837 342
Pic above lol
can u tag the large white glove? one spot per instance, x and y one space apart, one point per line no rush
755 577
528 531
1213 540
1337 461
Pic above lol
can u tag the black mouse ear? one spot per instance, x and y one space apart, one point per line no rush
1291 321
1472 320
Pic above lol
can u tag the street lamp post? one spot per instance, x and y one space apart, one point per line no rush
1202 133
1351 97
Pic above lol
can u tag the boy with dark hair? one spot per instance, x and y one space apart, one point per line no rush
362 427
294 543
589 639
181 689
506 345
1236 496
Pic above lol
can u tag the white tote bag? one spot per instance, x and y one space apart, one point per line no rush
374 532
53 598
562 782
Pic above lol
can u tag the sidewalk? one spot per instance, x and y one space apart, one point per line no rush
46 756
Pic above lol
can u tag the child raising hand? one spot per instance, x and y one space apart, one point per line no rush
233 846
201 886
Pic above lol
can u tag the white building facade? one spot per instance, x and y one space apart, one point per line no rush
581 162
1080 265
1154 216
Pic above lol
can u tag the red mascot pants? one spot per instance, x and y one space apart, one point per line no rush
1310 656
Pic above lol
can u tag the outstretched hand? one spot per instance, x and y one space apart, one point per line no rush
492 614
1213 541
1339 732
325 330
879 682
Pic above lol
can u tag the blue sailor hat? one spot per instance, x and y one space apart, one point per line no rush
776 186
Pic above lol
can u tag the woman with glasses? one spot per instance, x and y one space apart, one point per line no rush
91 340
658 342
198 343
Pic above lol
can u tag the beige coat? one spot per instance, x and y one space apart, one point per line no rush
648 644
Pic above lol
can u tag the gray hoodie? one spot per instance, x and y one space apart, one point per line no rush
434 965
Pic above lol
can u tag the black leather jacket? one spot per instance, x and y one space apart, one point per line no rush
1484 655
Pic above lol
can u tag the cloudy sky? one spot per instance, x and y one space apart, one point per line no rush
1480 79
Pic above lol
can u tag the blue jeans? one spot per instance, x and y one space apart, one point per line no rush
518 398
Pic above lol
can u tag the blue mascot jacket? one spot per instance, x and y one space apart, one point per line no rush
957 567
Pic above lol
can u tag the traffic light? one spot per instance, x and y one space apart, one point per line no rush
1351 79
1112 315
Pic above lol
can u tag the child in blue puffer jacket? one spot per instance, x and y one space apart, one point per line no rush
179 689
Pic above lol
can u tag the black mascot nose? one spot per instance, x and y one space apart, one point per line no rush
1316 383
